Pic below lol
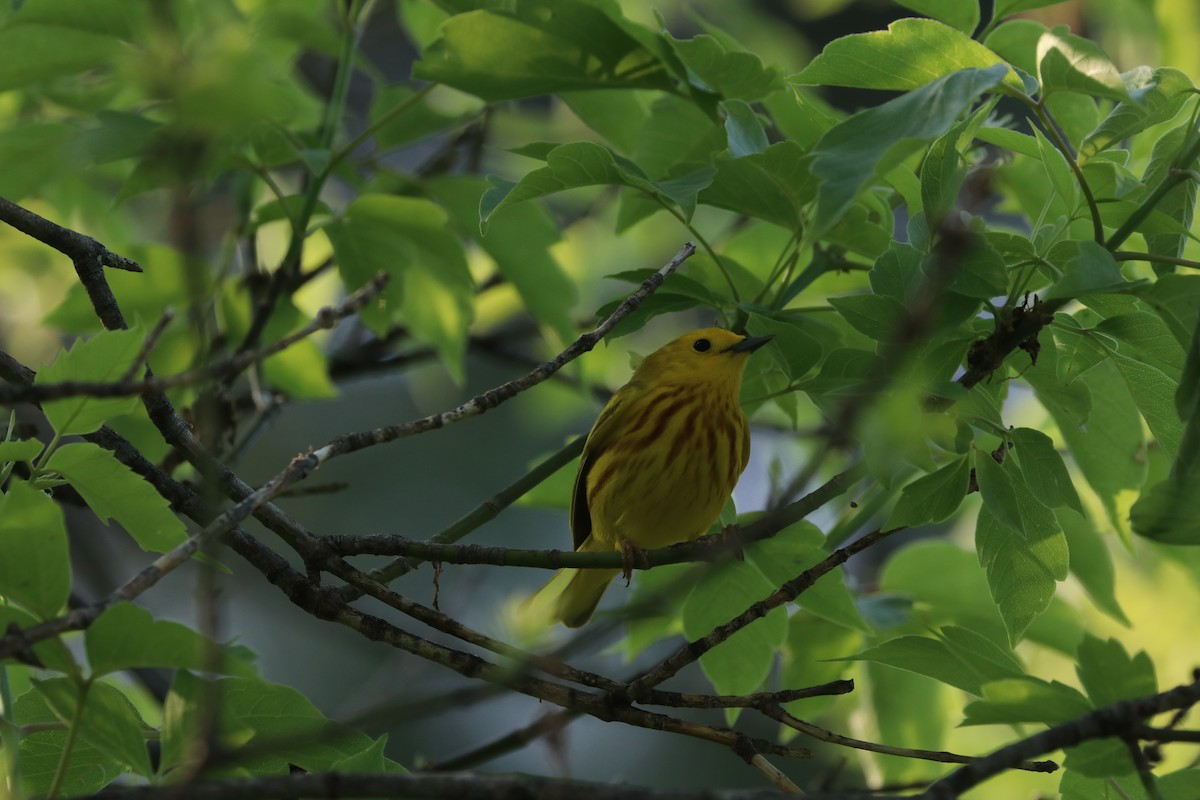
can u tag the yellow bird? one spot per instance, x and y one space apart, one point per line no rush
660 462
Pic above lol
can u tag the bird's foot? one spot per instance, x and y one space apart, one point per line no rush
631 555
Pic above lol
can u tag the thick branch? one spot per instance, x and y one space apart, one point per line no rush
76 246
460 786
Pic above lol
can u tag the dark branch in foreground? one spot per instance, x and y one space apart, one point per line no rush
1123 718
460 786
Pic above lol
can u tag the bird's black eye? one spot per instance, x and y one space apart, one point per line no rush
702 345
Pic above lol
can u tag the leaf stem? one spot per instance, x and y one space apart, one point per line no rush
334 110
708 248
1129 255
1056 135
371 129
69 745
10 736
1178 174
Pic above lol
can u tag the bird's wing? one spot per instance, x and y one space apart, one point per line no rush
603 432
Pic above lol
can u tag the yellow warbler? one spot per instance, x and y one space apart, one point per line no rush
660 462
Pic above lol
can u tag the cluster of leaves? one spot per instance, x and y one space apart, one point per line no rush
796 207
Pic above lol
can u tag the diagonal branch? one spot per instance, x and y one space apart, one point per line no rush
1125 717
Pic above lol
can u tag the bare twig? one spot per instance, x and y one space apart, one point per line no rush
325 318
778 714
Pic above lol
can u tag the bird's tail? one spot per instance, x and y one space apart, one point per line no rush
569 597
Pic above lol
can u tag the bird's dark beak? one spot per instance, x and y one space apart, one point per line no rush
750 344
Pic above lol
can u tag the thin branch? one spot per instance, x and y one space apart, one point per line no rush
481 514
1114 720
706 548
152 338
325 318
779 715
514 740
789 591
479 404
1157 258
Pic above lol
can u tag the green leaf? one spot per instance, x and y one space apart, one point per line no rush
277 724
874 315
1149 337
105 357
877 139
813 656
1043 469
1109 674
399 118
1058 171
1070 63
999 494
617 115
1091 563
794 550
26 450
35 52
733 74
88 770
114 491
958 657
896 272
961 595
909 54
1006 7
796 351
744 129
520 243
431 289
1179 203
109 723
126 637
773 185
1106 441
931 498
1022 568
1154 394
1016 700
1099 758
742 662
568 166
980 273
541 48
1092 269
963 16
36 569
1169 511
942 174
1157 100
